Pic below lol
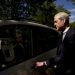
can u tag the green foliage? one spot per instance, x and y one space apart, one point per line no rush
44 12
72 24
5 8
41 11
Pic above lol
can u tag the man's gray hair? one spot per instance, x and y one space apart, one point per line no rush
62 15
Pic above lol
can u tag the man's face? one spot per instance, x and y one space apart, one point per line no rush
58 23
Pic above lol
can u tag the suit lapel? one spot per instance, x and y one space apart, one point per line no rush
67 33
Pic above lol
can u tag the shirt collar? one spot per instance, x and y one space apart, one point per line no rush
66 30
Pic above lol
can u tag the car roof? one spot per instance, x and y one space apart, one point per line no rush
15 22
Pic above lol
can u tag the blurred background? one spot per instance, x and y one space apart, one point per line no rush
41 11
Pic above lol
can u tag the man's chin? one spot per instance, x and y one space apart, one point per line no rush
60 29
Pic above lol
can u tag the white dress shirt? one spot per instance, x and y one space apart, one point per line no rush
64 32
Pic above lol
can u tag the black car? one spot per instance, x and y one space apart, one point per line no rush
22 43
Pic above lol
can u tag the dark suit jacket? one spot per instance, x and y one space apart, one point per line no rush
65 53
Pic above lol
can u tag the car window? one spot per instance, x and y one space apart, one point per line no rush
15 45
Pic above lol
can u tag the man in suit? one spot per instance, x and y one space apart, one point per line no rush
64 60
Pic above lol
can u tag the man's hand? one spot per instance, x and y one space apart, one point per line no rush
40 64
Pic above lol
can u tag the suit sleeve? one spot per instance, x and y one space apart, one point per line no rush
50 62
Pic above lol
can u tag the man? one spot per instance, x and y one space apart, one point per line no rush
64 60
19 48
